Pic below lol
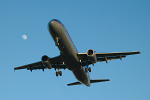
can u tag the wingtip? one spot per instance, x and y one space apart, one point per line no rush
15 68
139 52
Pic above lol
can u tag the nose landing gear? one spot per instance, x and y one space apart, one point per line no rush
57 41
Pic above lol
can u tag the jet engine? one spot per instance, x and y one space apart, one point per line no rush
92 56
46 61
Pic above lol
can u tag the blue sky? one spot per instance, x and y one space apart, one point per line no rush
102 25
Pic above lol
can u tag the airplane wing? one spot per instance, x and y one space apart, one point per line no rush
57 62
105 56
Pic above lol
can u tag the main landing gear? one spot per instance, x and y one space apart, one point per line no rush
88 69
58 73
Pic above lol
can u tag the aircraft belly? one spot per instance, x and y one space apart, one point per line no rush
68 51
82 76
71 62
66 47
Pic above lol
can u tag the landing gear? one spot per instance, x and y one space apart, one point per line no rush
57 44
88 69
58 73
57 41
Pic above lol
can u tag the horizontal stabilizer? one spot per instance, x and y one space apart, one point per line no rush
91 81
75 83
99 80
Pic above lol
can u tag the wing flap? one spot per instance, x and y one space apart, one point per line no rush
104 56
29 65
110 58
116 53
57 62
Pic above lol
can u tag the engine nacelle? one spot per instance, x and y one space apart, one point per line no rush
46 62
92 56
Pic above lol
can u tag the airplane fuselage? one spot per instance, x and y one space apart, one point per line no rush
68 51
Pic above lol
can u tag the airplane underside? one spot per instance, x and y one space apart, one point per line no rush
70 58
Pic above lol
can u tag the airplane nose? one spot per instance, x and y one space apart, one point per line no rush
55 22
52 25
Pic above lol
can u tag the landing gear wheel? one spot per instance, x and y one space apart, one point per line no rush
57 44
86 70
60 73
57 41
89 69
57 74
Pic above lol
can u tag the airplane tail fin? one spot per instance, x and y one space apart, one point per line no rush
91 81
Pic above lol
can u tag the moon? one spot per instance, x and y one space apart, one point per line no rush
24 37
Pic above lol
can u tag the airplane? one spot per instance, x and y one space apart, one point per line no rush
69 57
